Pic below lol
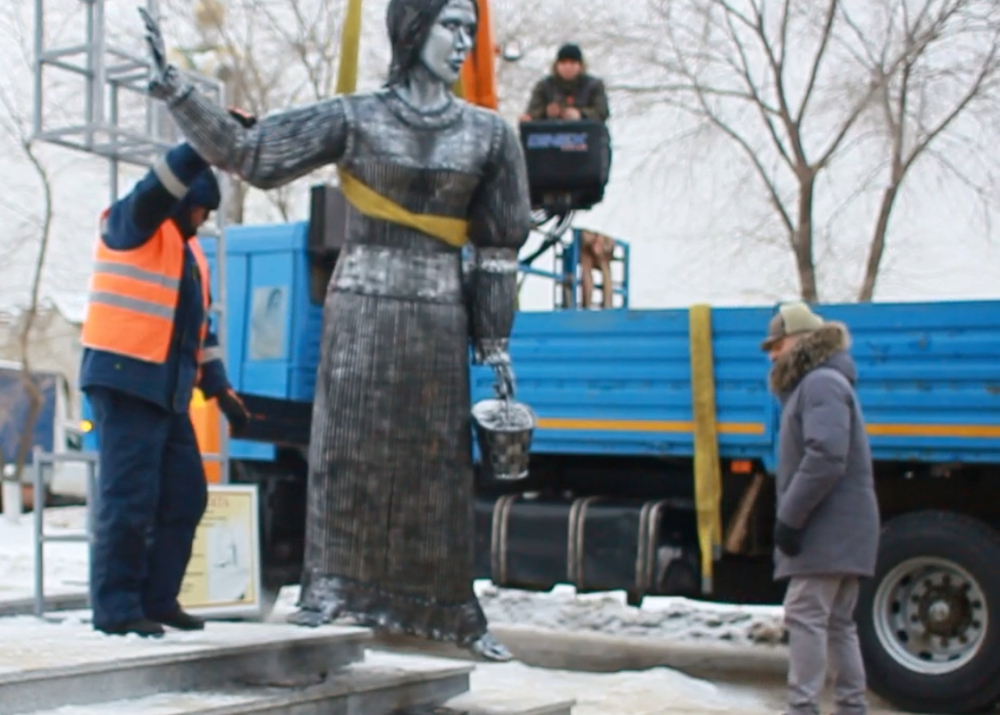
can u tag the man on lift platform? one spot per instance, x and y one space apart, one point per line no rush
565 137
569 93
147 345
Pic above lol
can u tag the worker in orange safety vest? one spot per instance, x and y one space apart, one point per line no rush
147 345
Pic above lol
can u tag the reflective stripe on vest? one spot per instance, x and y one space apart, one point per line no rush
134 295
205 355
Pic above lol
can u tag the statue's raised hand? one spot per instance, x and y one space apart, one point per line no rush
165 80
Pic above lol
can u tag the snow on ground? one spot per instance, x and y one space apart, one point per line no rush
66 564
68 639
30 644
653 692
658 617
562 609
162 704
650 692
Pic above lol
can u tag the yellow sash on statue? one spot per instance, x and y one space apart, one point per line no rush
453 231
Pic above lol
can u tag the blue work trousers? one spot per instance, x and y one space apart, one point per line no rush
151 495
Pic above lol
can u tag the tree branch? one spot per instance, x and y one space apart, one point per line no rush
831 14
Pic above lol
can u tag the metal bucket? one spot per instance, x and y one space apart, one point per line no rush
503 430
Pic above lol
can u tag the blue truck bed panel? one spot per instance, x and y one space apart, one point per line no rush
617 382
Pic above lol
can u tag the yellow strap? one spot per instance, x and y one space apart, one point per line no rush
453 231
350 43
707 472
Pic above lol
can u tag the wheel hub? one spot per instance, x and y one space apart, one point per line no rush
930 615
939 612
945 611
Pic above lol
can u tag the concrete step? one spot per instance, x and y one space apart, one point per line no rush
484 699
49 664
374 687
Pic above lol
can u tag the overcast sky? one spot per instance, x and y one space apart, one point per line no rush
693 215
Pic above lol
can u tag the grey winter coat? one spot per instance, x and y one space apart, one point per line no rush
824 477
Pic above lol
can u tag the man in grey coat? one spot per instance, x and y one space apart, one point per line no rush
827 529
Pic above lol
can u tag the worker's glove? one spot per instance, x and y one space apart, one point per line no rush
494 353
245 119
235 411
788 539
166 82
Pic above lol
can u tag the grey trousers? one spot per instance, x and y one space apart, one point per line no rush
819 615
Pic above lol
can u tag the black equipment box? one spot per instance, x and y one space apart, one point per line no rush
566 162
327 218
327 235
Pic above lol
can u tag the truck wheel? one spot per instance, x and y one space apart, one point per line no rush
929 621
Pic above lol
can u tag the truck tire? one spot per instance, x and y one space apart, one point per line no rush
929 621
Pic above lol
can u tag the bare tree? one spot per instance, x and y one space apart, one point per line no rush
16 126
270 55
221 48
924 95
796 87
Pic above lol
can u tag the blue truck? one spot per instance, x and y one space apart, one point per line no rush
650 467
53 431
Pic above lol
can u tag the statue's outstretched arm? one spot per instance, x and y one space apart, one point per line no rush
274 151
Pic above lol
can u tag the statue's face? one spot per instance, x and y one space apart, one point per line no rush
450 40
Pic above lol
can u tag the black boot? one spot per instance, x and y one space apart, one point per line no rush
143 627
182 621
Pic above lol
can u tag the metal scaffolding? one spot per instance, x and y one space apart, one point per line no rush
115 81
116 119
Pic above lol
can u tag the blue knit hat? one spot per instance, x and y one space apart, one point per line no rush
204 191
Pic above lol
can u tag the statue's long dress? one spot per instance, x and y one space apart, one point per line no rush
390 533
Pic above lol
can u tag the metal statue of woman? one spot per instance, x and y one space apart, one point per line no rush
389 532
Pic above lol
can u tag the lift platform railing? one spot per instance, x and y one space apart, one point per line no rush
568 279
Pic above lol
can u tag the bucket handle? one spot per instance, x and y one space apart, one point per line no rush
504 385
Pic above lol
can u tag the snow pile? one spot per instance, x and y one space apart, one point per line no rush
650 692
658 618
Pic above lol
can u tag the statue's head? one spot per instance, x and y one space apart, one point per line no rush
435 34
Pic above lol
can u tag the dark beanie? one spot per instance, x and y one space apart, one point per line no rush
570 51
204 191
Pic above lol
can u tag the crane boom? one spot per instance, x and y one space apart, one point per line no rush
479 76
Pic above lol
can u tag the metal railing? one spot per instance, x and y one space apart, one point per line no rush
40 460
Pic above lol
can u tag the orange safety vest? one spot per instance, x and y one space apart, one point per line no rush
134 295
